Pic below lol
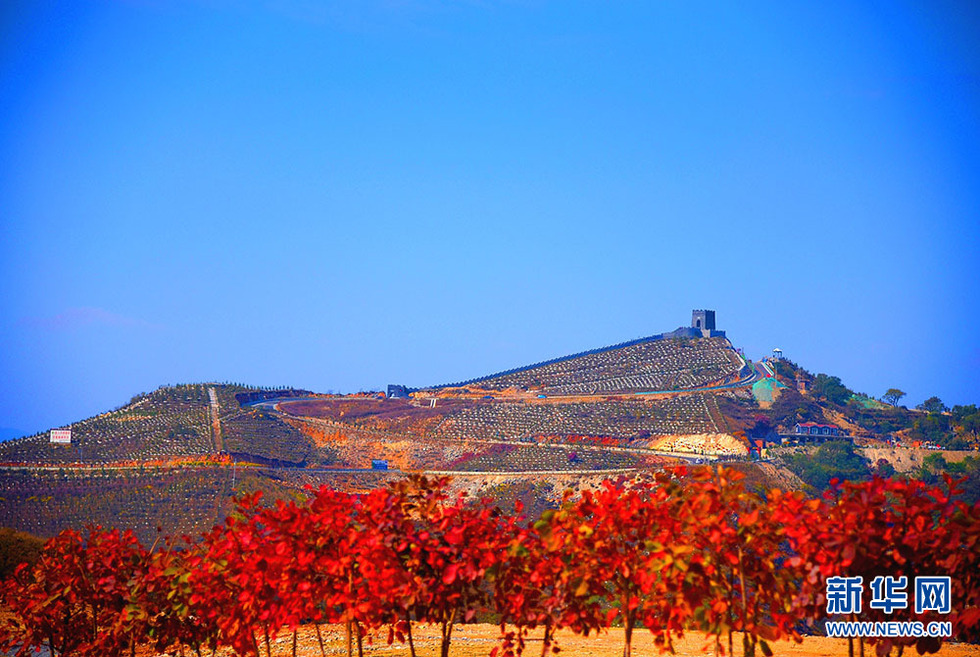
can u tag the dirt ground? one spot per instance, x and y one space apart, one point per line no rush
479 640
906 459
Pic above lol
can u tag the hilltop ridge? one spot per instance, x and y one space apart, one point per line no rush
644 364
524 434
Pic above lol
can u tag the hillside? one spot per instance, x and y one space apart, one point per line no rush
179 500
633 422
657 363
822 398
171 424
172 458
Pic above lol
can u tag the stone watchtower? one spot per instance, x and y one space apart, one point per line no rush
704 321
702 326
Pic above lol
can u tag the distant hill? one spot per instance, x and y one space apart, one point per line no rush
657 363
171 423
174 457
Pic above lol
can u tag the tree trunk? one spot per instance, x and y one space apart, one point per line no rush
547 640
411 643
748 646
319 637
447 634
629 618
294 643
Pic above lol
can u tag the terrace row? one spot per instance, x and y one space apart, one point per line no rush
185 500
167 423
688 414
650 365
513 458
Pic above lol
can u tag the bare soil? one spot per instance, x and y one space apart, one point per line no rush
906 459
478 640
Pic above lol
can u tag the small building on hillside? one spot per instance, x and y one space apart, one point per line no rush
396 391
812 432
815 429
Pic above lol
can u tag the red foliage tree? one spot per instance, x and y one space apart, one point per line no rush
617 553
451 547
744 581
682 549
529 588
75 598
892 528
161 600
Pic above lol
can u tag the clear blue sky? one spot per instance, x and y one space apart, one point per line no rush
341 195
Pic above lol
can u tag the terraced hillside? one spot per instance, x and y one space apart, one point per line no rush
351 447
171 423
626 421
519 458
651 364
172 458
180 500
595 397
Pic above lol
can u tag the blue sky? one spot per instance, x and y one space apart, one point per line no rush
342 195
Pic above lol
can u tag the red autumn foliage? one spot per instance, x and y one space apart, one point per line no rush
678 551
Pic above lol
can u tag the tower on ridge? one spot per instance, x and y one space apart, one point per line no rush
704 321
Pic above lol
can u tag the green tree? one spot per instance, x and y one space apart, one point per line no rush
959 413
893 395
884 469
935 462
831 389
932 428
792 407
836 458
967 418
932 405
